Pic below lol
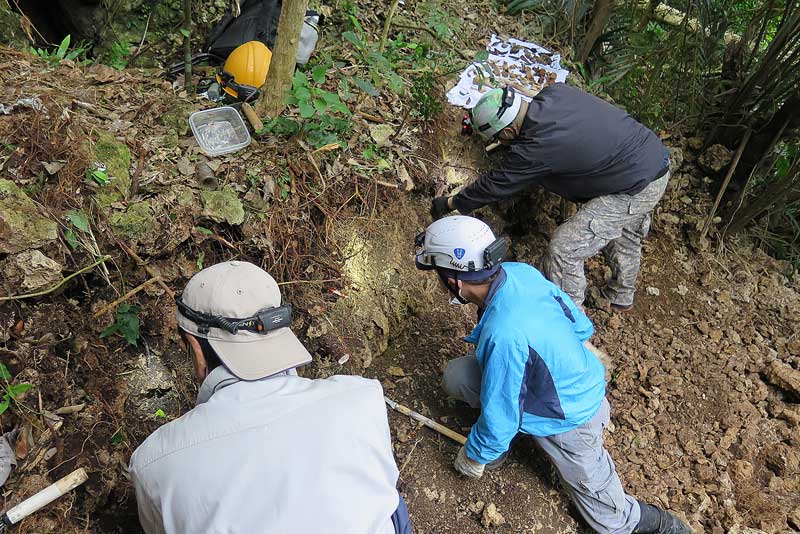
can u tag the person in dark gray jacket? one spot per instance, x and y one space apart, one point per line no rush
588 151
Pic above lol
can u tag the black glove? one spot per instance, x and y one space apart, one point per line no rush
439 207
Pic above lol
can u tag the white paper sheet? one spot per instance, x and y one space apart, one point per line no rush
526 66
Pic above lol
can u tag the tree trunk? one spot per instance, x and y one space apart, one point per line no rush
281 69
600 15
783 123
187 44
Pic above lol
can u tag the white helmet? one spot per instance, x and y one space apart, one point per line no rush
460 243
494 111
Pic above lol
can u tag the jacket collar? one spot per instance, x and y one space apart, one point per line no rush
221 377
496 285
217 379
493 289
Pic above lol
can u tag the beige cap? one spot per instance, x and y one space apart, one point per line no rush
237 290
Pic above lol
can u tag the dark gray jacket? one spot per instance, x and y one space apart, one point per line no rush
575 145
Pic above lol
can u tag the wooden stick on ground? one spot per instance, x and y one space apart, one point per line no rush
370 117
152 272
252 117
124 297
430 423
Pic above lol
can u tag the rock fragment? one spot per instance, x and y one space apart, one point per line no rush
715 159
695 143
491 517
476 507
782 459
783 376
29 271
223 206
22 227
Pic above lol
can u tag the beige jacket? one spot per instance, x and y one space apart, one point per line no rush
283 455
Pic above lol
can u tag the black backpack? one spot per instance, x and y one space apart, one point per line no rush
258 21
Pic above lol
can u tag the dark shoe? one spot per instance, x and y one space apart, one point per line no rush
621 308
497 464
617 307
654 520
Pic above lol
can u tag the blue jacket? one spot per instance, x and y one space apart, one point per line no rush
537 377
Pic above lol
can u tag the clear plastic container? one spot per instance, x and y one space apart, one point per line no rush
219 130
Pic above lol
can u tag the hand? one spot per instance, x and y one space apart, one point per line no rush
440 207
467 466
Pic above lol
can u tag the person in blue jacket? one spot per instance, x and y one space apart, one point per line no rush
531 372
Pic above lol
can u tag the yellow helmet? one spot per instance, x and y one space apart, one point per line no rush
245 70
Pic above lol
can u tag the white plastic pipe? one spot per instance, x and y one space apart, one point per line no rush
45 497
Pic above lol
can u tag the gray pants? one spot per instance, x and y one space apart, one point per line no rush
615 224
583 463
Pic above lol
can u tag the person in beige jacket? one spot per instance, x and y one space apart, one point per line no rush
264 450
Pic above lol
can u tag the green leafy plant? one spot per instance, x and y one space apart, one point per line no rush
281 126
445 25
97 175
425 99
350 11
160 413
285 184
79 222
381 65
117 56
118 436
372 153
327 118
252 178
311 100
61 53
126 324
10 392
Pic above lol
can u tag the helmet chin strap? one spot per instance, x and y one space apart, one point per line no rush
458 298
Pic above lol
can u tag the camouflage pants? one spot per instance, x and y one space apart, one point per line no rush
615 224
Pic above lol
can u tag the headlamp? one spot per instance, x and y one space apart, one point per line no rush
419 250
244 92
494 253
263 322
466 125
508 100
